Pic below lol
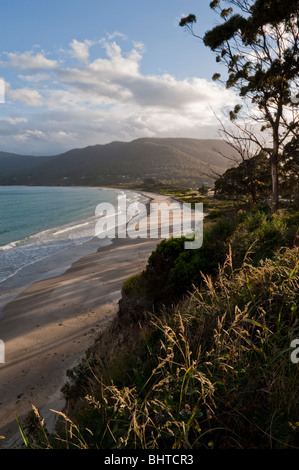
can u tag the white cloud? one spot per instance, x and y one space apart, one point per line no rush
103 99
139 45
116 64
117 77
24 95
36 78
80 50
28 61
30 134
16 120
115 35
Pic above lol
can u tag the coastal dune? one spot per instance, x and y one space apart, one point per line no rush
50 325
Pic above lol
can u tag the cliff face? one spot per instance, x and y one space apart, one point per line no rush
125 335
132 310
125 331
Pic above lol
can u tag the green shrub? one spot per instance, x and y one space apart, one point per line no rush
135 286
190 264
160 264
173 271
262 234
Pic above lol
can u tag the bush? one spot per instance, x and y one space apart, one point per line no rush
262 234
172 271
190 264
159 266
135 286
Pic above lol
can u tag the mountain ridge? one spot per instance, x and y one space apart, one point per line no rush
176 161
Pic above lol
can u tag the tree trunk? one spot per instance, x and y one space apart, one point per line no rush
274 171
274 165
274 174
250 173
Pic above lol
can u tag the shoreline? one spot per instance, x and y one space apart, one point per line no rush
49 326
50 265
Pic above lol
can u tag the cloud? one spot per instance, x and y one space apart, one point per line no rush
103 97
24 95
117 64
80 50
16 120
117 77
35 78
115 35
167 92
28 61
30 134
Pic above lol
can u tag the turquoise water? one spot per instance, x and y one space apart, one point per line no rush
26 211
37 223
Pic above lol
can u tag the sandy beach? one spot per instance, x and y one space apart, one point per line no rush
50 325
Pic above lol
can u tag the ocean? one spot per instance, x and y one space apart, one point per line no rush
43 230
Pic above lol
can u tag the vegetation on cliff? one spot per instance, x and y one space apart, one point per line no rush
200 355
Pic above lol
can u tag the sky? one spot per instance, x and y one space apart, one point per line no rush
86 72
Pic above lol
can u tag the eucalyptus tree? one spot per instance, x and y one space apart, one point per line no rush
258 42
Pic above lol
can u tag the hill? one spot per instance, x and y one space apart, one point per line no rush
11 163
178 161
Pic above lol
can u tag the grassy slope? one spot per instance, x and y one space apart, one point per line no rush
212 369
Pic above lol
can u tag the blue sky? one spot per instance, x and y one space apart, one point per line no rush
83 72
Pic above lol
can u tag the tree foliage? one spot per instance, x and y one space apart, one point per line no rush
290 169
258 42
249 180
